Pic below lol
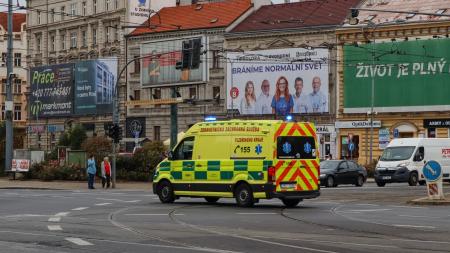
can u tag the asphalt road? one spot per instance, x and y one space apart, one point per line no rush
343 219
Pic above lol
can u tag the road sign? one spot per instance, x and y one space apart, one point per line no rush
396 133
351 146
432 171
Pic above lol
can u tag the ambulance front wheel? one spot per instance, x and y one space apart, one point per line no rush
244 195
291 202
165 192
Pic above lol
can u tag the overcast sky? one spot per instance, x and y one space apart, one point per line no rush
22 2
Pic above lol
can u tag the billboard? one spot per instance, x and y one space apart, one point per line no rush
94 86
64 90
51 91
408 76
278 81
159 66
139 10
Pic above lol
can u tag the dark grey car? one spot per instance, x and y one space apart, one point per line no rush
336 172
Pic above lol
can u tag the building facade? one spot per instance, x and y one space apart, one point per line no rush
393 70
152 78
292 40
20 85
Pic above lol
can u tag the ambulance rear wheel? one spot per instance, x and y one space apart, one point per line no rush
244 195
165 192
211 199
291 202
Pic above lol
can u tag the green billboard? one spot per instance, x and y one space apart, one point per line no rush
407 76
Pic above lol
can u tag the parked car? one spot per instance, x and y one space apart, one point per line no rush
336 172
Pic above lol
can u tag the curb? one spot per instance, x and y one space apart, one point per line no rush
428 202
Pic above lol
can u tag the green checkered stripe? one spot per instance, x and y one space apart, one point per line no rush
217 170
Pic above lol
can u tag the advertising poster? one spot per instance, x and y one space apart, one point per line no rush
279 81
51 91
384 137
94 86
408 76
160 66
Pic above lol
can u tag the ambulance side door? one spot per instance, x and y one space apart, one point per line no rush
182 163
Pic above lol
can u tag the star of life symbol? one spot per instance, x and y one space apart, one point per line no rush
307 148
258 149
287 148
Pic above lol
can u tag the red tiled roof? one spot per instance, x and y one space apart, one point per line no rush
297 15
209 15
18 20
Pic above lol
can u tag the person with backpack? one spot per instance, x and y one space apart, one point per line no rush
106 172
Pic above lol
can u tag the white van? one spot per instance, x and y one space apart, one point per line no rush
403 160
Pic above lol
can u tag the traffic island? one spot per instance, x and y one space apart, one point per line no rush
426 201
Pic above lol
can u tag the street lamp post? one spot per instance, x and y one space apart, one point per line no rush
372 99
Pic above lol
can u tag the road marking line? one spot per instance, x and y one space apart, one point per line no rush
62 214
257 213
133 201
25 215
54 228
55 219
367 205
150 214
420 241
80 208
78 241
367 210
103 204
118 200
419 216
413 226
414 207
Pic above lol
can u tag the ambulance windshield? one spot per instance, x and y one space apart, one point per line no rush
296 147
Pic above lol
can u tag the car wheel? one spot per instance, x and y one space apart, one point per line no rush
422 182
413 179
165 192
359 181
211 199
330 182
291 202
381 184
244 195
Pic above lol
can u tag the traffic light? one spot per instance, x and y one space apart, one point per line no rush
196 52
191 52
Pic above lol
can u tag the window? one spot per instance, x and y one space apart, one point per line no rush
117 34
3 112
52 43
17 59
137 95
73 9
83 39
431 132
63 12
38 17
293 147
17 86
192 93
352 166
157 94
52 15
83 8
184 150
94 4
3 85
63 42
38 43
94 36
107 30
441 11
107 5
73 40
17 112
116 4
345 147
216 92
4 56
419 155
137 65
215 59
156 133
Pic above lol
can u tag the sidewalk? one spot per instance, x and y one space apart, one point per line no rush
6 183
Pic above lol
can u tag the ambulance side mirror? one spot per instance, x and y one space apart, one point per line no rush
170 155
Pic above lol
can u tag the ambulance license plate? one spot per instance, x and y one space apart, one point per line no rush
386 177
288 185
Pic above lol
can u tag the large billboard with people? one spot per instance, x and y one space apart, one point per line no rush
278 81
64 90
407 76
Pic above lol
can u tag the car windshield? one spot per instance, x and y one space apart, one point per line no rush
329 165
397 153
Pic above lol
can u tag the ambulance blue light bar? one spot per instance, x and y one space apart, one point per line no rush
288 117
210 118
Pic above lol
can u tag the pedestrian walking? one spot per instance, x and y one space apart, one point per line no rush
106 172
91 170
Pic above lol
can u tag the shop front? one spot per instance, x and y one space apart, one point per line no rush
326 135
437 128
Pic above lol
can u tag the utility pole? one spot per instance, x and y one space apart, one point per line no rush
173 121
8 102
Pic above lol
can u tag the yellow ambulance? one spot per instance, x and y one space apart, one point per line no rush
242 159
